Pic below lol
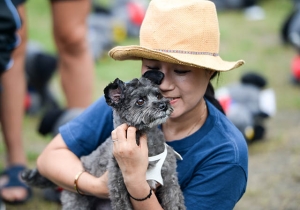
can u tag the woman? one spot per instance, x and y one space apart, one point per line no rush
181 39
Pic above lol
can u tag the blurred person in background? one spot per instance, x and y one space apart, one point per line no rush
76 65
11 112
10 23
76 69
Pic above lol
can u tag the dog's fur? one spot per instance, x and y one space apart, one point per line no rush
138 103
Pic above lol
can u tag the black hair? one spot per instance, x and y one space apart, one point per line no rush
210 93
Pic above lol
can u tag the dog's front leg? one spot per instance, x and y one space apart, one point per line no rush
170 195
117 190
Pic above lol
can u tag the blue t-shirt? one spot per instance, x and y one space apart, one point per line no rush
213 172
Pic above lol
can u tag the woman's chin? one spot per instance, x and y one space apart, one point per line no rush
174 114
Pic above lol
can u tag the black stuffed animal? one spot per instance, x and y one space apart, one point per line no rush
39 68
247 104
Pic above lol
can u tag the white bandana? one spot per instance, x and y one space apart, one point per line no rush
155 172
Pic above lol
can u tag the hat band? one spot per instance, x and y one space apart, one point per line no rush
187 52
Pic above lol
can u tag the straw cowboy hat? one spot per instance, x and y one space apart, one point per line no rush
179 31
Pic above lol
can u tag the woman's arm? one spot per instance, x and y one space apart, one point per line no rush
133 162
60 165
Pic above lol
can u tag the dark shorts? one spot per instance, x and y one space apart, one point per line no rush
9 23
18 2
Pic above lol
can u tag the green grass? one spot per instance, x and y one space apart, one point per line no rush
256 42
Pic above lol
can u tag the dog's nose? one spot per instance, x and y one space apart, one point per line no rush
162 106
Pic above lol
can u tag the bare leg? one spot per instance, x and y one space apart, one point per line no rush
76 66
12 111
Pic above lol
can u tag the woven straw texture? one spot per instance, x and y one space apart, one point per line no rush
179 31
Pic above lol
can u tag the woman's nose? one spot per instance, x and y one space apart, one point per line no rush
166 83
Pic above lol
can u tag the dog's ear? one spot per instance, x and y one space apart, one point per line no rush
154 76
133 83
114 92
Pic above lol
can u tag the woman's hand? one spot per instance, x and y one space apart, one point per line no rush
132 159
133 162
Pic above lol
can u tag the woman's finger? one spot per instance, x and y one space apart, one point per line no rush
143 141
121 132
131 135
114 135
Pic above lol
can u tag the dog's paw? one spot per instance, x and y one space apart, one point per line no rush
33 178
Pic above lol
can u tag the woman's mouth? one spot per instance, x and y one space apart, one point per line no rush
173 100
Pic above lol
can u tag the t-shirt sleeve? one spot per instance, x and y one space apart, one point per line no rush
216 187
86 132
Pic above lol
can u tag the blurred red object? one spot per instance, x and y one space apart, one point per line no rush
296 68
225 102
136 12
27 101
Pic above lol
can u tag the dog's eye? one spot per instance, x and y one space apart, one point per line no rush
158 96
140 102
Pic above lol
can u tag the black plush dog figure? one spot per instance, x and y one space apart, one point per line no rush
248 103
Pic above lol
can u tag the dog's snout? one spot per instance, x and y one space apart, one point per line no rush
162 106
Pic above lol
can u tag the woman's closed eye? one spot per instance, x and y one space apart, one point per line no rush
181 72
152 68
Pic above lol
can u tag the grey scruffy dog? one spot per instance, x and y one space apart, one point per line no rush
137 103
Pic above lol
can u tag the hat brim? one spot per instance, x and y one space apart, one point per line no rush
135 52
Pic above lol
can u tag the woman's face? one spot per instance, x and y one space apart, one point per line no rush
183 85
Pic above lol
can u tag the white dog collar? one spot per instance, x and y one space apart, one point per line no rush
155 172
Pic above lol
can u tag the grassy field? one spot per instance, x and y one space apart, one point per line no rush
274 178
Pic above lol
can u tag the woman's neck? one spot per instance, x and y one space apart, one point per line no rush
177 129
